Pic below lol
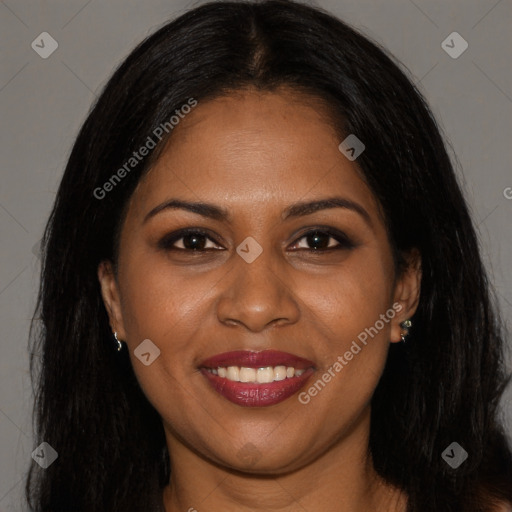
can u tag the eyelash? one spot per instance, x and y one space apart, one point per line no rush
167 243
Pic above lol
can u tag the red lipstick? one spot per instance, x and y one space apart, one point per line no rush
253 394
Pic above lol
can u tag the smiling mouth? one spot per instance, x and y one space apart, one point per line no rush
253 379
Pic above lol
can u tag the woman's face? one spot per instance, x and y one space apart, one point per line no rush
255 280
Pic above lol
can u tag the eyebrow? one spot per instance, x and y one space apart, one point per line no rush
298 209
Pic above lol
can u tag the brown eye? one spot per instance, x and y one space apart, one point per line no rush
188 240
322 240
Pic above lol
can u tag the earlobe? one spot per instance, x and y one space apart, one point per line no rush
407 294
111 298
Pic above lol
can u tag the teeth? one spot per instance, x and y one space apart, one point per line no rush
233 373
260 375
265 375
247 374
280 373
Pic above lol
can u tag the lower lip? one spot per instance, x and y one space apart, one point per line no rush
249 394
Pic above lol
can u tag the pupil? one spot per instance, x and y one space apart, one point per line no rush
315 239
193 241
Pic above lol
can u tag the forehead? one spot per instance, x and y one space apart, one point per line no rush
254 149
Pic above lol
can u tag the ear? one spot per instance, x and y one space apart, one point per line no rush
111 297
407 293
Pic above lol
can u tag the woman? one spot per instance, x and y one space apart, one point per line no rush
262 288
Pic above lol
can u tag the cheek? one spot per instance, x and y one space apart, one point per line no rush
352 312
160 306
352 298
157 301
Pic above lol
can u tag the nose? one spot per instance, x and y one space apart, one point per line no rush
255 296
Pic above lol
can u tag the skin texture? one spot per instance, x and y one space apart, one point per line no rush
256 153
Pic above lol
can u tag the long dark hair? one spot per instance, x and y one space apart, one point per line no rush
442 386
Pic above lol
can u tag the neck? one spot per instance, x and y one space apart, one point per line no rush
342 479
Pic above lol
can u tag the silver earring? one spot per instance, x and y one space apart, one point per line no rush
119 345
406 324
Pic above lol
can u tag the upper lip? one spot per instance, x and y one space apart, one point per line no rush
250 359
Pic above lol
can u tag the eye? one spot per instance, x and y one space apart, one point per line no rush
196 240
319 240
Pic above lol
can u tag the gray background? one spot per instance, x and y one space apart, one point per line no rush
44 101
